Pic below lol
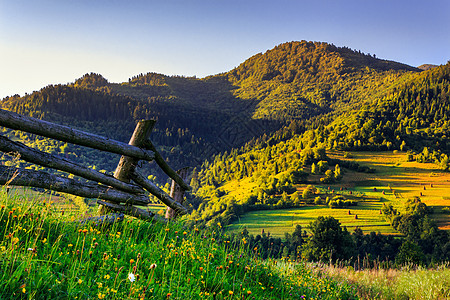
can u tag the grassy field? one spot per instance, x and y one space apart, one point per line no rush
394 181
279 221
45 254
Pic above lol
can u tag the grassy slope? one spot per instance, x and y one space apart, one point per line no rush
45 255
394 174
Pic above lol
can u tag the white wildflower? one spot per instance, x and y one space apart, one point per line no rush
131 277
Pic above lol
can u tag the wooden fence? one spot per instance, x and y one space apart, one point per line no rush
122 192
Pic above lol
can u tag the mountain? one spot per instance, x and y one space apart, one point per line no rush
411 114
295 83
426 67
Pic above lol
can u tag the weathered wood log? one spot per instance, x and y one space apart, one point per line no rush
52 161
39 179
127 164
146 215
159 193
166 168
177 193
105 219
63 133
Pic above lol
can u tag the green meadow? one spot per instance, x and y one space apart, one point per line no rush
46 253
394 181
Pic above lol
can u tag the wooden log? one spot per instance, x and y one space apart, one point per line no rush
104 220
39 179
127 164
159 193
166 168
146 215
12 120
52 161
177 193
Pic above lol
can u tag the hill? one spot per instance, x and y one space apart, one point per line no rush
426 67
198 118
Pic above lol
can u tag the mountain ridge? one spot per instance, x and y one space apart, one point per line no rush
198 118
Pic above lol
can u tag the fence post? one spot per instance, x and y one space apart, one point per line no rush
177 192
127 164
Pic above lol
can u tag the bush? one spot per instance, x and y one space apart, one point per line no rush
318 200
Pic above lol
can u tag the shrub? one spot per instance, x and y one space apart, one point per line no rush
318 200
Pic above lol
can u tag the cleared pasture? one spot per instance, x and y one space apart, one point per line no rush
394 181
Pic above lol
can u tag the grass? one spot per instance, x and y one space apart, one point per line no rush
394 181
47 254
279 221
409 283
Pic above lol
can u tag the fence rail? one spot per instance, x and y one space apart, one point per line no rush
119 193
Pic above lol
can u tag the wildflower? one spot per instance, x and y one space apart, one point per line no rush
201 268
153 266
85 231
99 284
70 245
24 290
30 249
131 261
169 294
131 277
249 292
230 292
101 296
107 276
80 281
167 229
44 241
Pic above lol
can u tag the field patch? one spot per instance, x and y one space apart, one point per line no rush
394 181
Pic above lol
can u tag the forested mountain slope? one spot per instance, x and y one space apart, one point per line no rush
413 114
198 118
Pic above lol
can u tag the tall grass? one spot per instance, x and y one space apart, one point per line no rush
411 282
48 254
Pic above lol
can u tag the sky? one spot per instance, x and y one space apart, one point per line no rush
46 42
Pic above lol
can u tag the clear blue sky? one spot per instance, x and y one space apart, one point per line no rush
56 41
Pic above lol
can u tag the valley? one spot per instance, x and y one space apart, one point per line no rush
395 180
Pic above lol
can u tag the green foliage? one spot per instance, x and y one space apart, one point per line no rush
308 192
410 254
419 230
328 241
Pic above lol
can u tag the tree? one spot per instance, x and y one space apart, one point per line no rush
308 192
337 173
409 253
328 241
313 169
322 166
329 177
